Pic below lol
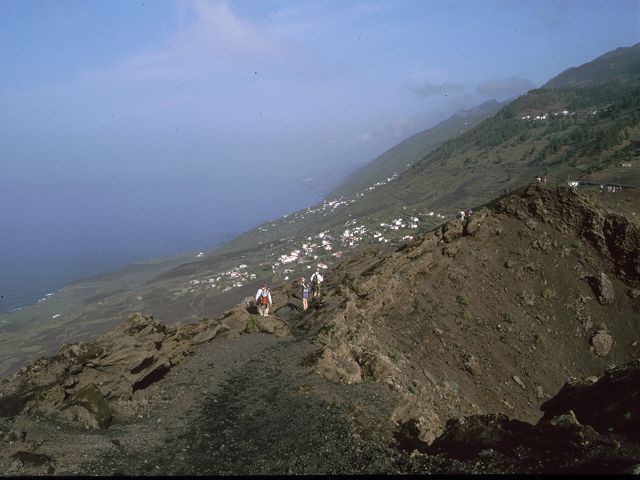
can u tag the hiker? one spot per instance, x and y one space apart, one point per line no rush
461 214
306 288
316 280
263 300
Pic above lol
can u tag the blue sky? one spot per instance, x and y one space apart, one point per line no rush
152 119
153 91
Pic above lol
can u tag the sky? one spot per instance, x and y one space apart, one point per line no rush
152 127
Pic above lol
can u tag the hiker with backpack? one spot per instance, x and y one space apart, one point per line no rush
306 289
263 300
316 280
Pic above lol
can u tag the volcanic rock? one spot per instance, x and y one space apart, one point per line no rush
602 343
466 436
604 289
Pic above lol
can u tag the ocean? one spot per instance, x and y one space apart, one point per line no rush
47 249
29 275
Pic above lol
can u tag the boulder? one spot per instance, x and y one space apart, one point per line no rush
602 343
418 426
236 322
379 367
274 326
480 225
452 230
334 367
603 289
89 407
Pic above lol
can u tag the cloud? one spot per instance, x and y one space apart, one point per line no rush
391 132
428 89
319 15
220 31
504 88
212 40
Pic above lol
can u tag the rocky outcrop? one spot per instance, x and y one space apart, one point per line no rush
612 234
610 402
587 422
93 383
466 436
484 315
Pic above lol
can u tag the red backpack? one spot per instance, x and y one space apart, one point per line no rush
264 299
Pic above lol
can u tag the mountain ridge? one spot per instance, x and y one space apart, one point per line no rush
501 153
403 351
405 153
618 64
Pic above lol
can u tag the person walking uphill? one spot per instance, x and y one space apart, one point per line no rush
263 300
306 289
316 280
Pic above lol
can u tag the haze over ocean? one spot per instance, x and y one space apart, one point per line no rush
38 257
132 130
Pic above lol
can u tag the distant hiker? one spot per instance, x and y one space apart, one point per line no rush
306 289
316 280
263 300
461 215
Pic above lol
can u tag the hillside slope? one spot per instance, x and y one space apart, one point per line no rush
489 316
406 153
619 64
588 134
494 314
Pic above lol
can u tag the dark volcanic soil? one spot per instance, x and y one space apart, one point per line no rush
246 405
240 405
250 410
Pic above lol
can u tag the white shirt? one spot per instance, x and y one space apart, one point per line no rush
259 294
318 276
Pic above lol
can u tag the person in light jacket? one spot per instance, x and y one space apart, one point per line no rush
316 280
263 300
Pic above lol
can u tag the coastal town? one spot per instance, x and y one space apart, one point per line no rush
301 256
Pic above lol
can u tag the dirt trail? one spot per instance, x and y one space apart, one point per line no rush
241 405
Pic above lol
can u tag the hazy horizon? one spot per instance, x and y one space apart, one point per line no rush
132 130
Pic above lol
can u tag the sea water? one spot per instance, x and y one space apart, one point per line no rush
45 251
33 275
